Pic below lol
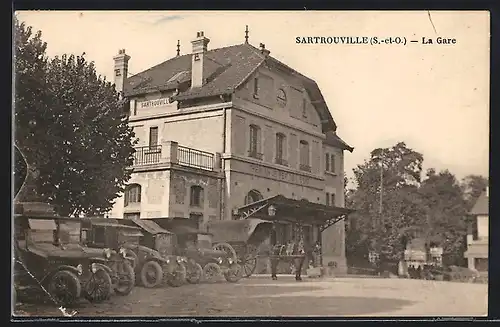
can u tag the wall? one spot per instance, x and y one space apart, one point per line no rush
240 122
155 190
482 226
201 130
152 105
180 185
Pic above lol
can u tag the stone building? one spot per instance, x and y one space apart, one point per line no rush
221 129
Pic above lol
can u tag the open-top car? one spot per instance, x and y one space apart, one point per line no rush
197 246
151 268
44 261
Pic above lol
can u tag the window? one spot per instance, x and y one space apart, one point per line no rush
132 215
253 196
327 162
255 142
118 72
330 199
153 137
332 163
280 149
99 235
196 199
304 156
281 98
256 87
132 194
304 108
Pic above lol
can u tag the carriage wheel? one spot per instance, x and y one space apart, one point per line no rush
249 261
226 247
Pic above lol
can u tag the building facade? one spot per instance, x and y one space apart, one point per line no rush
220 129
477 238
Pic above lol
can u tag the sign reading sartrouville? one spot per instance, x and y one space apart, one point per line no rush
154 103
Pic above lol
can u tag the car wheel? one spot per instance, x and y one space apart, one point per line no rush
211 272
194 273
176 275
99 287
151 274
126 279
64 288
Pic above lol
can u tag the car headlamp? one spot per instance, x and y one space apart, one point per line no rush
168 260
219 260
230 261
79 269
107 253
93 268
123 252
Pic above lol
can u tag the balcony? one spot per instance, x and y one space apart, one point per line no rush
172 153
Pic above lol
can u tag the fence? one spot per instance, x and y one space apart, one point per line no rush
145 155
195 158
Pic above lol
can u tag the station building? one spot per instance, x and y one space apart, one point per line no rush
222 129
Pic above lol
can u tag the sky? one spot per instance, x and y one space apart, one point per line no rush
435 97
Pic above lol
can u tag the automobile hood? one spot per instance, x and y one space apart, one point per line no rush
66 251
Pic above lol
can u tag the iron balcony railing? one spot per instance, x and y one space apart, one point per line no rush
195 158
145 155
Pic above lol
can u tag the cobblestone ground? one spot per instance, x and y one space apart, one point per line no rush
259 296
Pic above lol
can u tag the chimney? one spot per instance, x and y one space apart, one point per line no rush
263 50
121 69
199 48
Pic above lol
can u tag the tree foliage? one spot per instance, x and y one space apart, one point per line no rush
71 123
434 207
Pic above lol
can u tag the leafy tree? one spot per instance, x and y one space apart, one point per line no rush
395 173
446 210
71 123
472 187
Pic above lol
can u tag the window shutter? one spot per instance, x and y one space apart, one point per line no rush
327 162
327 199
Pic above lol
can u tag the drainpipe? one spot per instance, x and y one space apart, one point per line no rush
223 168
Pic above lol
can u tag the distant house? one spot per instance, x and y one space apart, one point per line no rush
477 238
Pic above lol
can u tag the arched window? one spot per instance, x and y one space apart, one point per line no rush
253 196
132 194
280 149
254 146
196 197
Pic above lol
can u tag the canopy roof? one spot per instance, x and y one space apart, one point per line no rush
150 226
281 208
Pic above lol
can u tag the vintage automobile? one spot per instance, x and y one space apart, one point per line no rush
151 268
43 262
163 241
109 237
196 245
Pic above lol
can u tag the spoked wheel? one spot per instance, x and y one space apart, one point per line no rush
249 261
65 288
234 273
151 274
227 248
175 274
211 272
194 273
99 287
126 278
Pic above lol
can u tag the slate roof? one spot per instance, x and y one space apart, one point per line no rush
334 140
481 206
225 69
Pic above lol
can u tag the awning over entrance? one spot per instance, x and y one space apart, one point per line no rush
150 226
280 208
